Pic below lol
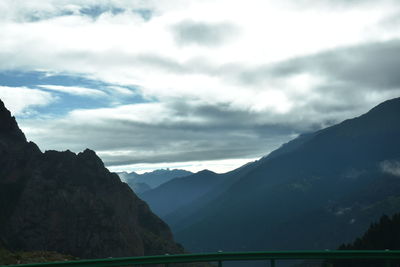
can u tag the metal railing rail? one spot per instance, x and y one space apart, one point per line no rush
220 257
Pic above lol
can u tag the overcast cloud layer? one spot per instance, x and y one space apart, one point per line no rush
192 84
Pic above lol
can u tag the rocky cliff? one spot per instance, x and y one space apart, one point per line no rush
70 203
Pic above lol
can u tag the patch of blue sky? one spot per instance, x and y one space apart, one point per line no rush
15 78
65 101
96 11
38 16
93 11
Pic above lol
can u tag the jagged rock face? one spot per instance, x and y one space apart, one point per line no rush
9 130
60 201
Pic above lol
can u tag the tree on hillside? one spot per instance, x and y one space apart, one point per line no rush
382 235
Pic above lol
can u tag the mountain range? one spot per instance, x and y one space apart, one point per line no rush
317 191
141 183
168 197
70 203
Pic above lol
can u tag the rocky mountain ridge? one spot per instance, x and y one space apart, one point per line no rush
70 203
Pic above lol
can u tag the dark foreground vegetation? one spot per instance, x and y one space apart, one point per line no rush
7 257
382 235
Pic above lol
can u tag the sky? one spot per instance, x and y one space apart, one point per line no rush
192 84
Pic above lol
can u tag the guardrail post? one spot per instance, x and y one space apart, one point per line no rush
167 265
219 263
272 262
388 263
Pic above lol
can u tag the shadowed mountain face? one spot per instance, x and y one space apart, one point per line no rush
70 203
315 192
180 192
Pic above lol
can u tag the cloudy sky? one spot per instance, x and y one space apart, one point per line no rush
192 84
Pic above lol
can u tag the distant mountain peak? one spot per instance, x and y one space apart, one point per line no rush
154 178
162 171
205 172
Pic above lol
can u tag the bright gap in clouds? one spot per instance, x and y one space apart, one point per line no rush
73 90
218 166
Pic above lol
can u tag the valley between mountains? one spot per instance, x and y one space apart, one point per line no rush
318 191
315 192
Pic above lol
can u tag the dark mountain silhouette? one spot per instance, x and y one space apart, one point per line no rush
141 183
70 203
315 192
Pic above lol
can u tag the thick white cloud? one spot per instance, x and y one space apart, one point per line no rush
120 90
19 99
74 90
209 68
391 167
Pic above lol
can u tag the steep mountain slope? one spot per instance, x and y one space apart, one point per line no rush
179 192
185 209
70 203
186 212
315 192
139 188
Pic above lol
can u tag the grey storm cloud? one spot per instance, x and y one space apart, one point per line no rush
190 32
373 65
367 66
223 132
225 135
197 124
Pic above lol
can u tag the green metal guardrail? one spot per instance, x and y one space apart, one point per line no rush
220 257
